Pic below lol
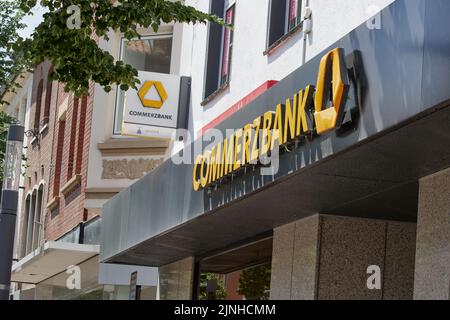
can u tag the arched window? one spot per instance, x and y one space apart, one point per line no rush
26 213
37 114
48 98
81 129
33 221
59 156
73 131
30 226
38 217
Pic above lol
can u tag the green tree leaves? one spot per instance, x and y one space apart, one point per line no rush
220 293
11 61
75 53
254 283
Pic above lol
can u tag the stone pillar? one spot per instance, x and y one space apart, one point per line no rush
176 280
326 257
432 273
295 260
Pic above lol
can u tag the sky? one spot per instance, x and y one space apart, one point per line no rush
31 22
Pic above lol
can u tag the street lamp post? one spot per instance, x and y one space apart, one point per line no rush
8 206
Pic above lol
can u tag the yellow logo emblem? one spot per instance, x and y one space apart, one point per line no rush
332 74
152 103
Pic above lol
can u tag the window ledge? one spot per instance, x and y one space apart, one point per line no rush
283 39
53 203
213 95
71 184
102 193
133 147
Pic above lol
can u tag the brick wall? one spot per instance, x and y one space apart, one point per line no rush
70 211
48 166
40 151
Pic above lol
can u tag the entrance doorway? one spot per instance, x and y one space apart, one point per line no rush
238 273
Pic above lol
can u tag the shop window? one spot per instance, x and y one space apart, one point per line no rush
122 292
149 53
284 16
242 273
251 283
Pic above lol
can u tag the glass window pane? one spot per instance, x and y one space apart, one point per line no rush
294 13
251 283
227 47
92 231
72 236
152 54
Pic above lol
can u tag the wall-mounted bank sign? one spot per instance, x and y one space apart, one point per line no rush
156 109
313 110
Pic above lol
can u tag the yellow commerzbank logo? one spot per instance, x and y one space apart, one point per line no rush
152 103
289 120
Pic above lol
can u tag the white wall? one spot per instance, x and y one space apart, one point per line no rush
332 19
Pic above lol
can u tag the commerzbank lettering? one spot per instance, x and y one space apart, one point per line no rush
289 120
150 115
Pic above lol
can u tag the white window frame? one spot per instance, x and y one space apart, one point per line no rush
227 5
299 18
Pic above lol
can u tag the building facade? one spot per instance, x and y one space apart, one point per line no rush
358 205
349 100
52 204
18 105
75 163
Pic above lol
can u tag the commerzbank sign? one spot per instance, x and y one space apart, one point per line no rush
289 120
153 109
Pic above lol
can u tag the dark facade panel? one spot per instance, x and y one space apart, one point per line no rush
395 138
436 65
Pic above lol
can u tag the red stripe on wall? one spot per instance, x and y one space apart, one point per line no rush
238 105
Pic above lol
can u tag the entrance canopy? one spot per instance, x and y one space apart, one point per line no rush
397 130
51 259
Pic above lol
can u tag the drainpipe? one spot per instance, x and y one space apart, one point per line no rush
307 28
